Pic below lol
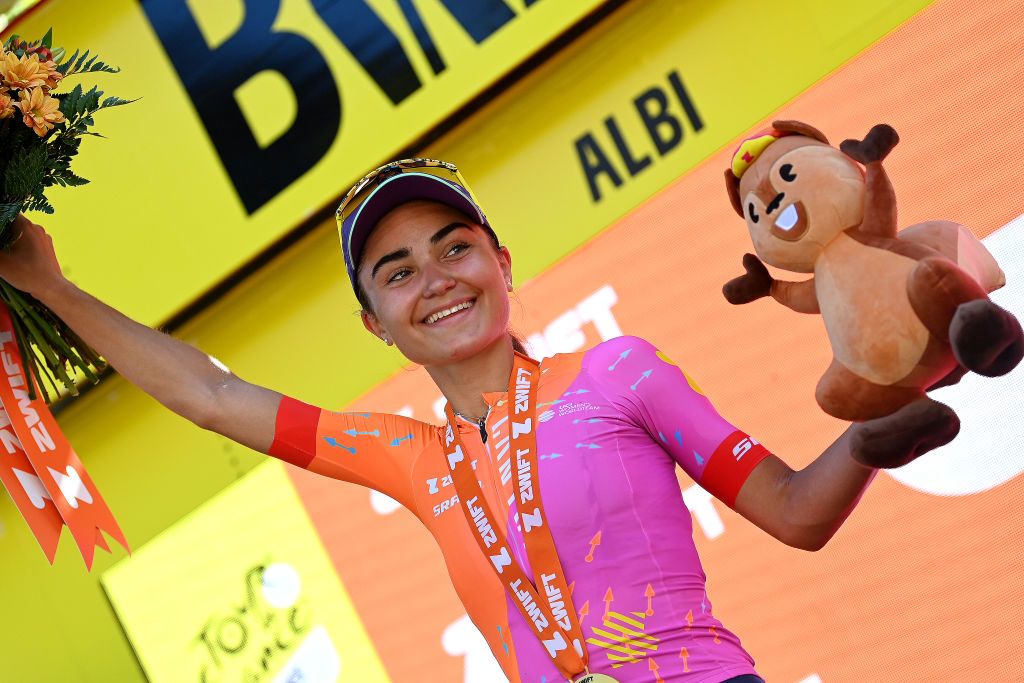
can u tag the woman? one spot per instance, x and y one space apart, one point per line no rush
575 454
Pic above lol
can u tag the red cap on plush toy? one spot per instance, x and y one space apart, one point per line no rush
751 148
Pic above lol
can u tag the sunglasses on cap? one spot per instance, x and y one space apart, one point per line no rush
391 184
361 190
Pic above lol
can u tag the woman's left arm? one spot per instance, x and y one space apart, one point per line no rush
805 508
802 509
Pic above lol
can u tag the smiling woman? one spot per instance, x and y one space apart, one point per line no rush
564 471
438 288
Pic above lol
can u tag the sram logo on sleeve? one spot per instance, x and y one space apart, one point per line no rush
730 465
743 447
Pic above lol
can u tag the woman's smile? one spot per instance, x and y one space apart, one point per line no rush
445 315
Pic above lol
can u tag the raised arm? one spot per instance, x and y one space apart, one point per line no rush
191 383
802 509
805 508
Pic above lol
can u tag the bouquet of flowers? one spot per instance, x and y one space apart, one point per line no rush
40 132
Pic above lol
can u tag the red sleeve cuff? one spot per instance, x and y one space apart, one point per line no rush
295 432
730 465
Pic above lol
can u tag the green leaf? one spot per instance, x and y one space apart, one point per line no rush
47 40
115 102
72 179
63 66
8 212
85 63
25 170
69 101
39 203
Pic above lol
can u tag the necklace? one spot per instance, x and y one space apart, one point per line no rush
477 420
481 422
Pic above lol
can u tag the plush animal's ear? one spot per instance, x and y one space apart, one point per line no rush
800 128
732 186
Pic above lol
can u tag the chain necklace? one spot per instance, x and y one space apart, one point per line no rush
480 422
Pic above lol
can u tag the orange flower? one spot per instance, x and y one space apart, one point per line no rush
48 69
39 110
22 72
6 105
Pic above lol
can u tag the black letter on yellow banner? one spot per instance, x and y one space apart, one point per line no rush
211 75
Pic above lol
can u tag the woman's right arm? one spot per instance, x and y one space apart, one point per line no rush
191 383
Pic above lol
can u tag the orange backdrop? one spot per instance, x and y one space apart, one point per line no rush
917 585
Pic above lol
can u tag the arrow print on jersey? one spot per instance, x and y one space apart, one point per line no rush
622 356
653 666
399 439
649 594
594 542
644 375
502 637
356 432
584 611
331 441
684 655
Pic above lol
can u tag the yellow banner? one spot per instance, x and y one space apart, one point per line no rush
246 592
255 114
659 88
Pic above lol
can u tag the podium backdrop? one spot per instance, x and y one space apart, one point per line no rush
602 171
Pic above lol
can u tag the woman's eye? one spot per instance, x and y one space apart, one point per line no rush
786 171
752 212
395 276
457 248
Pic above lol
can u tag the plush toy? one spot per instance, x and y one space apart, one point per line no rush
905 312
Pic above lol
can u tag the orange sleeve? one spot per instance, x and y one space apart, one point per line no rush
376 450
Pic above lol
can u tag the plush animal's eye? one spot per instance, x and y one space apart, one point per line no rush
752 212
786 171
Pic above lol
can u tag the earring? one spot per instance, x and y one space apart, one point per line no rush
386 340
508 283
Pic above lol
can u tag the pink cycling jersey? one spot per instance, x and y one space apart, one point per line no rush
613 422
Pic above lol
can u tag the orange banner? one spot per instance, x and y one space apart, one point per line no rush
920 582
32 437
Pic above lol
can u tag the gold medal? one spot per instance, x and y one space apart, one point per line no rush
595 678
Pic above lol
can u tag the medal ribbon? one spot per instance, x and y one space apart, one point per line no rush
552 614
40 469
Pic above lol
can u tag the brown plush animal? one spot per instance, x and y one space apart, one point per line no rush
904 312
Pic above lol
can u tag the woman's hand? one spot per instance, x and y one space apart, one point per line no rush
31 263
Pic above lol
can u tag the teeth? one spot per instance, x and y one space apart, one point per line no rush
788 218
434 317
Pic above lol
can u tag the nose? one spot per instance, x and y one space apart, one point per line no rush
437 281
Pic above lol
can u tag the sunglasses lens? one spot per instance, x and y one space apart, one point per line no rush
362 189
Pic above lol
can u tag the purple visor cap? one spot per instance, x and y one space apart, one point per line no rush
396 190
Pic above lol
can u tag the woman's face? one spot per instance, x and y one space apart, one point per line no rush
423 259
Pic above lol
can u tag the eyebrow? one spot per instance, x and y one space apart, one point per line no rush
404 251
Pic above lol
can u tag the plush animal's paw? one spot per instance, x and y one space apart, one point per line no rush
953 377
875 146
899 438
986 338
754 284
